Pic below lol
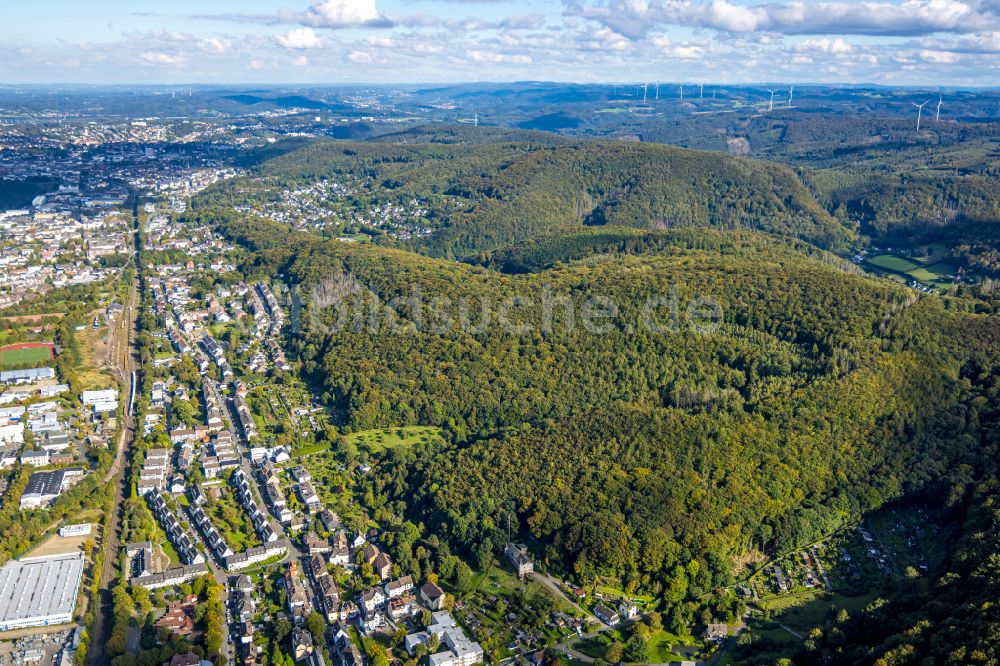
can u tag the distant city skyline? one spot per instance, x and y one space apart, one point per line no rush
891 42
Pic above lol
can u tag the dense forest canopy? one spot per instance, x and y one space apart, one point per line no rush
821 395
651 449
484 196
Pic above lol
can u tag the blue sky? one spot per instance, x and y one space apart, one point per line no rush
905 42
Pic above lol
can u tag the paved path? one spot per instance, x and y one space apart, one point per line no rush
554 584
566 647
790 630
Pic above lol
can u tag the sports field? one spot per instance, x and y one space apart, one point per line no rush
25 353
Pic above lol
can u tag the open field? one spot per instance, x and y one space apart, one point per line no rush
662 647
93 349
805 611
389 438
927 269
57 545
33 318
893 262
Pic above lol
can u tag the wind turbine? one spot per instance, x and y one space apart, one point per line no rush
937 116
701 91
791 90
657 84
770 104
644 86
682 91
920 110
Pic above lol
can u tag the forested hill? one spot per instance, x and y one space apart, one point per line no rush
659 457
547 251
484 196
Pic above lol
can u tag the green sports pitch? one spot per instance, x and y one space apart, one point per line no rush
17 357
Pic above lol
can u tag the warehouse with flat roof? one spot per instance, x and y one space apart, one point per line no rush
39 591
43 487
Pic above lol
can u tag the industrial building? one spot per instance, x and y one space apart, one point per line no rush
44 487
39 591
26 376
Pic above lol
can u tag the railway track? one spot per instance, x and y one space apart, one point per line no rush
127 369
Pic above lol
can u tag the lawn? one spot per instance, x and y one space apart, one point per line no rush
32 355
893 262
609 591
388 438
772 642
802 612
929 269
661 646
228 516
497 581
310 449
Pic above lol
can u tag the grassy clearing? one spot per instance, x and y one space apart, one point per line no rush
389 438
804 611
89 369
893 262
928 269
310 449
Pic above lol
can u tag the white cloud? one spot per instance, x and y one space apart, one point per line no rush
213 45
796 17
682 51
734 18
300 38
985 43
939 56
824 45
344 14
157 58
360 56
488 56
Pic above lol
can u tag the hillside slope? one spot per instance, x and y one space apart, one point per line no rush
484 196
820 395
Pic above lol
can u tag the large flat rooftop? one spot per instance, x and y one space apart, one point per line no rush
39 591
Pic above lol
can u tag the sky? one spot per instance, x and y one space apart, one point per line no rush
894 42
